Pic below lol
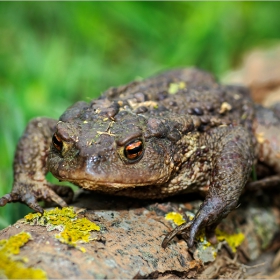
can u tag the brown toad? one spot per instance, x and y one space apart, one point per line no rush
178 132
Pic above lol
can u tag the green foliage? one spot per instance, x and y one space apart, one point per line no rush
55 53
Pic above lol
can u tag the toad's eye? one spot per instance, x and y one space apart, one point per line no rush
57 143
133 150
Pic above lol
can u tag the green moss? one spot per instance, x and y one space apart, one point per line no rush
73 230
12 268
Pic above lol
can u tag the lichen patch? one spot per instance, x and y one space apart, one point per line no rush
175 217
13 267
233 240
175 87
73 230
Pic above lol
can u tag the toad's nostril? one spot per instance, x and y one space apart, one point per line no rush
97 158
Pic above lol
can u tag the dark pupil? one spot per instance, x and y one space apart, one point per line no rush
57 142
134 150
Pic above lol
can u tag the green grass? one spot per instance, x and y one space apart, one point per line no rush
55 53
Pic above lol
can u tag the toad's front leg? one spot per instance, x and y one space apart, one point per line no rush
231 166
30 184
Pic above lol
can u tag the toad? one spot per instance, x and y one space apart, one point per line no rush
178 132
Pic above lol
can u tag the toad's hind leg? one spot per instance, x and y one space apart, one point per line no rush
231 166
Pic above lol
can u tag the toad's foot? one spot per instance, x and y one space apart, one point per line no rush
211 212
33 192
180 230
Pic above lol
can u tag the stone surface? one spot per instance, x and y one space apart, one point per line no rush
259 71
129 243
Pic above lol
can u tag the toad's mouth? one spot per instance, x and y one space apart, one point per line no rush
96 181
90 185
105 176
100 185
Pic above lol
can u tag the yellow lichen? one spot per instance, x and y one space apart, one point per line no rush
12 268
82 249
175 217
73 230
201 237
175 87
233 240
214 253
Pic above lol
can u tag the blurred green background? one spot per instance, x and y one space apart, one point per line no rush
53 54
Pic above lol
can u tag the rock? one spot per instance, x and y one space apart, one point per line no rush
260 72
128 244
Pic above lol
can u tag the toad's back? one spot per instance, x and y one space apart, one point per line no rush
189 92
